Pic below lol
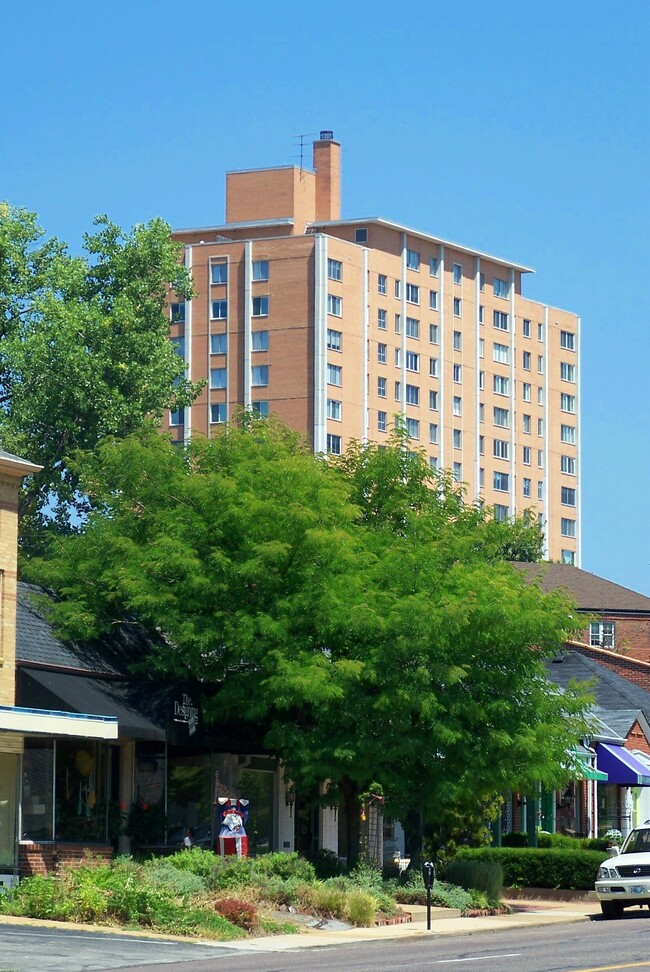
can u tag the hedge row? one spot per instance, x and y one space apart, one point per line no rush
530 867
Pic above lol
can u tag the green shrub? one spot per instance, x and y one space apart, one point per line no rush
484 876
196 860
326 864
515 839
443 895
285 866
327 899
240 913
160 871
361 908
539 867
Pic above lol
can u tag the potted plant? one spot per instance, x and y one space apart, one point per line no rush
614 840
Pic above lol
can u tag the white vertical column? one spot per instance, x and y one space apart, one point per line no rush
578 451
187 330
477 401
512 466
286 819
248 308
320 343
402 402
441 371
546 471
364 348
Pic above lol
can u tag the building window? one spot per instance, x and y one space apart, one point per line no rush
567 372
412 395
567 402
398 289
218 413
260 269
412 293
457 437
457 405
412 361
433 300
260 408
434 266
218 377
481 348
398 390
381 319
457 471
381 283
334 374
540 395
526 424
457 272
500 319
458 341
526 390
334 305
502 417
219 273
381 353
260 340
500 288
526 328
540 489
334 444
567 340
176 416
568 465
527 484
567 527
219 343
361 235
457 306
540 332
381 387
413 428
568 557
540 364
481 380
412 327
381 421
433 462
501 482
540 427
413 259
433 433
334 269
261 306
501 385
260 376
219 310
501 353
540 458
501 448
601 634
178 344
501 513
433 333
481 314
177 313
568 496
526 360
334 340
481 412
433 401
568 434
398 323
333 410
481 282
526 455
457 373
398 357
481 445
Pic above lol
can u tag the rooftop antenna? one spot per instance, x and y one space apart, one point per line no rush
301 145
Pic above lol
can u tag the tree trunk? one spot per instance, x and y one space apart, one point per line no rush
350 792
412 825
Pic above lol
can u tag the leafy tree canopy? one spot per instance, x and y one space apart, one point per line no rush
83 348
362 610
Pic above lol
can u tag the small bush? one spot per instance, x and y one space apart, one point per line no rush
443 895
541 868
484 876
515 839
196 860
286 866
326 864
160 871
239 913
361 908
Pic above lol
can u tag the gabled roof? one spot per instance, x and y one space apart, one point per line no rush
591 593
619 702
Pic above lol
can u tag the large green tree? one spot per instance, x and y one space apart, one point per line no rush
83 348
361 610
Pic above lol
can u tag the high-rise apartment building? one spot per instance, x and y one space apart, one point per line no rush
338 325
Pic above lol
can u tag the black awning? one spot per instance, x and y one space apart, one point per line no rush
141 709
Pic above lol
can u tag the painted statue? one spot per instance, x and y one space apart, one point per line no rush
233 814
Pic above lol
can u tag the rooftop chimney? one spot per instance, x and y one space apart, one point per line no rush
327 164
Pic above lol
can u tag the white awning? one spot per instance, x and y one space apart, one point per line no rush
45 722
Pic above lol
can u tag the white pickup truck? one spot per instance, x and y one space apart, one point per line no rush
624 881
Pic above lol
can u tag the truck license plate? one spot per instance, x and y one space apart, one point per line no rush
637 889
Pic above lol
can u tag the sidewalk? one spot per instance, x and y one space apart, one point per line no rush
444 921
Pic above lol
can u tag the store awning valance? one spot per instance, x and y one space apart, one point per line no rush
622 766
587 772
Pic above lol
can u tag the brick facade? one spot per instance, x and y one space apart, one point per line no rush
627 667
631 634
47 858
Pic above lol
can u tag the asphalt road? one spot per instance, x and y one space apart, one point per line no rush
590 946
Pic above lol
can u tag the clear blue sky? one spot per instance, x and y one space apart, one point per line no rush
521 129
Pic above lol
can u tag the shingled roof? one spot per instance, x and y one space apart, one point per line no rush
591 593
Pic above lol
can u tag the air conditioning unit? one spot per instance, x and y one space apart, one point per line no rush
8 880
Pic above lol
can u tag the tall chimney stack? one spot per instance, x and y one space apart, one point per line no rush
327 164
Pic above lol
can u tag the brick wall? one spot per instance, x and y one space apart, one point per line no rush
48 858
627 667
631 635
